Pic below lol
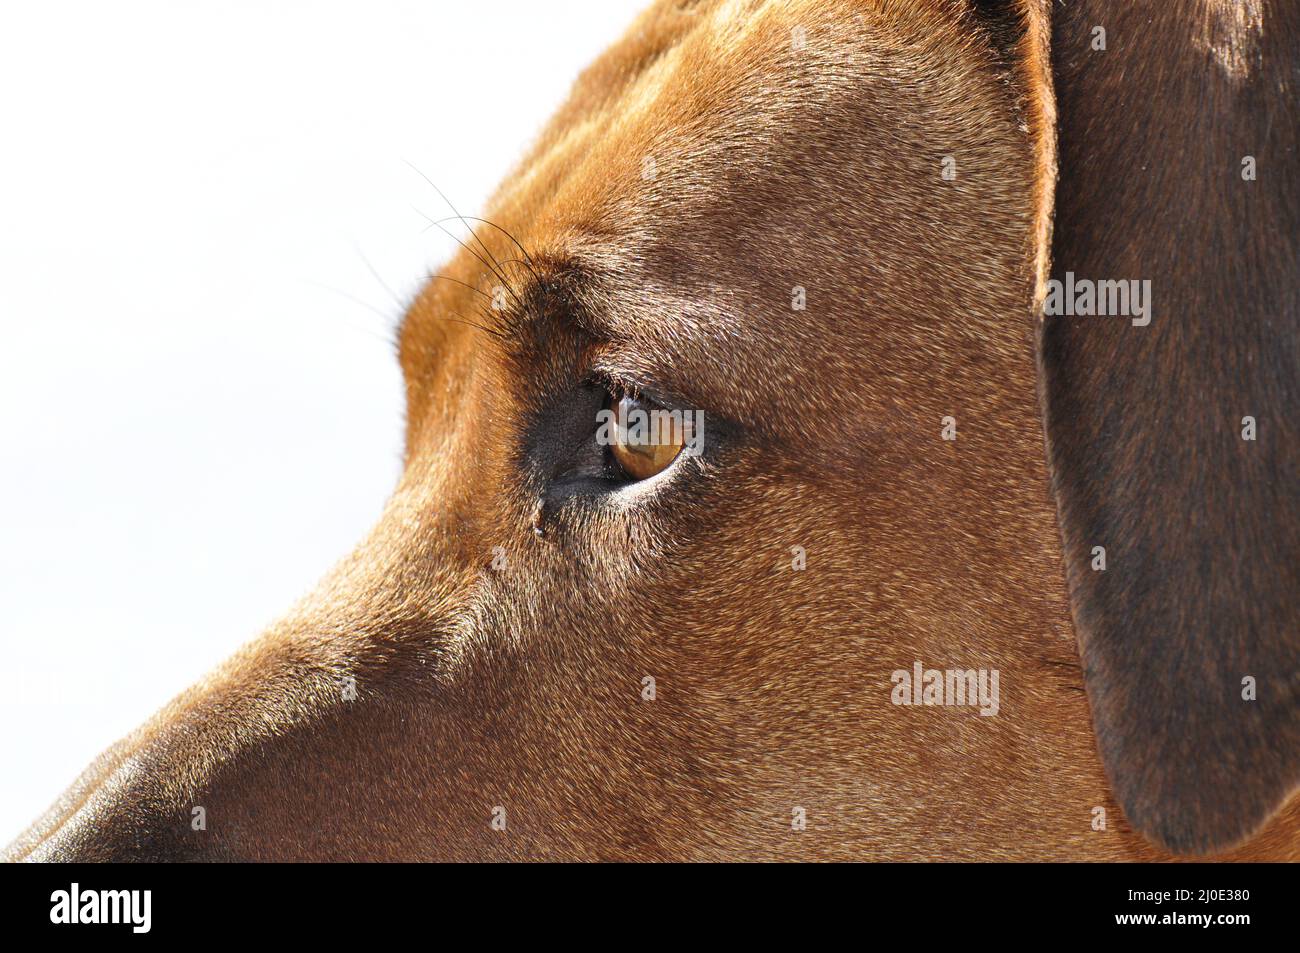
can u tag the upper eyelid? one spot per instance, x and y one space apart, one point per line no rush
614 377
615 373
558 299
613 361
722 428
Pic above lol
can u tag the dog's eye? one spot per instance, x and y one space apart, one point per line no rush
645 437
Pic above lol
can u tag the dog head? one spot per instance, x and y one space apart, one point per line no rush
819 232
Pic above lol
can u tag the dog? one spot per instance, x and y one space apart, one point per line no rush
940 557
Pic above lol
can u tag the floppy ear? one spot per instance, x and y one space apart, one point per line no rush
1174 445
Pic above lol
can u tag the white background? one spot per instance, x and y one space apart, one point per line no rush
200 408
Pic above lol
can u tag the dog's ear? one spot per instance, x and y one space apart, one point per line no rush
1175 444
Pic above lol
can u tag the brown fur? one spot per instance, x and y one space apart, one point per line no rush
774 167
1201 528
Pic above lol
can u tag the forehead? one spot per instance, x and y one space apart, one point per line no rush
754 186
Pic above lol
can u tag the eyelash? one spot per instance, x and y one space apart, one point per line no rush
615 384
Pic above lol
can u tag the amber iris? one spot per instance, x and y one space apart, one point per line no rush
647 437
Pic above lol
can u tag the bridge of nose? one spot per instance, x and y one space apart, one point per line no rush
224 770
302 707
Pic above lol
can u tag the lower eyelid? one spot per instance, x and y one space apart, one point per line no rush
629 496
